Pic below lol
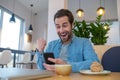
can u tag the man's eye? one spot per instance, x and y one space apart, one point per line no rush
57 26
65 25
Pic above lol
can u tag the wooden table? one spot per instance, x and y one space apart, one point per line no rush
78 76
35 74
23 74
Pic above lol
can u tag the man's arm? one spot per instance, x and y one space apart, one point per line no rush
40 58
88 55
41 43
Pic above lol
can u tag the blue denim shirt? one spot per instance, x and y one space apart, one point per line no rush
80 53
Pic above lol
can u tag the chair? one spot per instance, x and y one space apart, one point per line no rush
5 58
34 59
25 60
33 62
111 59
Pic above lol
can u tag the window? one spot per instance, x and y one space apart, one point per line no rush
114 33
0 14
10 32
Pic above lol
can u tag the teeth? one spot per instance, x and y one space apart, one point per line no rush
63 34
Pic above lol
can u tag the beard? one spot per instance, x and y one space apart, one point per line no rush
65 36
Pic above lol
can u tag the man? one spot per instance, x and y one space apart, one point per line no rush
69 49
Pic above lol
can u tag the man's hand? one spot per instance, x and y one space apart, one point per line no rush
56 61
41 43
49 67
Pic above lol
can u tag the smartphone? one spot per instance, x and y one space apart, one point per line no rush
48 55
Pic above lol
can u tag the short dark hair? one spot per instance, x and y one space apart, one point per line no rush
64 12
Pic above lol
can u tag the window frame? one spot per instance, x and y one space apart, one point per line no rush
22 27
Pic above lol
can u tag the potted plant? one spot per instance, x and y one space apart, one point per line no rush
95 31
81 29
99 31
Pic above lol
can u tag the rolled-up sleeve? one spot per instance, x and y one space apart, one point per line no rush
40 60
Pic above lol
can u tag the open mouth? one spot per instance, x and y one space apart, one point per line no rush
63 35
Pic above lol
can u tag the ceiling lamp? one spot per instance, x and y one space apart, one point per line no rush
12 19
80 12
101 10
30 29
106 27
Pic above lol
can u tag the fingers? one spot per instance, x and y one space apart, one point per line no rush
49 67
57 61
52 67
52 60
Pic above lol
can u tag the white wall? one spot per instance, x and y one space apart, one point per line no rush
118 11
113 34
40 28
54 5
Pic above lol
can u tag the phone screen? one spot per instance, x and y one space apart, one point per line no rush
48 55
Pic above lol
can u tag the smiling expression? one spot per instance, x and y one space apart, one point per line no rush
64 29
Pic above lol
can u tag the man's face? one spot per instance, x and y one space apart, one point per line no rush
63 28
